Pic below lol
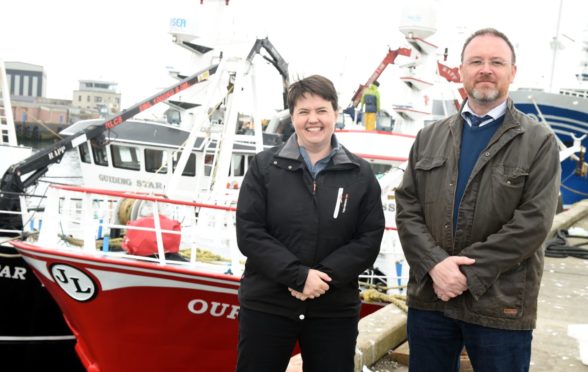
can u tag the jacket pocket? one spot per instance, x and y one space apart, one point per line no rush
508 184
505 298
430 174
422 291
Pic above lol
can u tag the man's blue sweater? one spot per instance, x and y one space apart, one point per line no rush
473 141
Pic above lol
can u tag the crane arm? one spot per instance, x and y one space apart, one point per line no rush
388 60
37 164
276 60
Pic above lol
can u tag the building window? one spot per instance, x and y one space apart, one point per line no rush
35 91
79 98
97 99
88 98
25 85
17 91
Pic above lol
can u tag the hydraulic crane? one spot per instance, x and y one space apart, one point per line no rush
388 60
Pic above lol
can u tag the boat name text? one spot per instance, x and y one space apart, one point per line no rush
216 309
129 182
17 272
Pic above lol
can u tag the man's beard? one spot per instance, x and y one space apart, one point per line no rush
484 96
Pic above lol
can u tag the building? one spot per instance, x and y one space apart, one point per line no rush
101 96
39 118
25 79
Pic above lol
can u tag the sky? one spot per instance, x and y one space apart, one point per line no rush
128 41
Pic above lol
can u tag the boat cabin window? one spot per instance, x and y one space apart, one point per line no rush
155 161
125 157
190 168
100 155
239 165
208 164
379 168
84 153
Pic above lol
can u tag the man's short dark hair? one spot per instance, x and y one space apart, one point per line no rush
315 84
493 32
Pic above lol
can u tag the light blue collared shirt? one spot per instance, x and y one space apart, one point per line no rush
495 113
321 164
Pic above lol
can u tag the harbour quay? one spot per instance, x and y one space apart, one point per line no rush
563 302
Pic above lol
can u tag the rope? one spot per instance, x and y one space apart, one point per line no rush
372 295
558 247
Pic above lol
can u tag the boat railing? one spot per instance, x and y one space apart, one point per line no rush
580 93
99 221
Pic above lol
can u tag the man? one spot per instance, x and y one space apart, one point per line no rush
370 104
476 202
310 221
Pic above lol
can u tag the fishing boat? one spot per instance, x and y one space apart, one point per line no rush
176 189
562 104
566 113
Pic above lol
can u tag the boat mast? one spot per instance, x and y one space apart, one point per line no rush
555 45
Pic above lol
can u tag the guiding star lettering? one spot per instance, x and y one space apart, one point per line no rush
146 184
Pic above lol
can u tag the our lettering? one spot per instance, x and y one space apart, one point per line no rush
215 309
198 306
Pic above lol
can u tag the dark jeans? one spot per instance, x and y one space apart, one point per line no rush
436 341
266 342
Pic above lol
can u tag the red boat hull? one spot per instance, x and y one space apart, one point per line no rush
129 315
134 316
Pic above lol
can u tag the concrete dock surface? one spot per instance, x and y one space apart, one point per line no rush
563 301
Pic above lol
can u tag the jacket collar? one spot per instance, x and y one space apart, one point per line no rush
291 151
512 119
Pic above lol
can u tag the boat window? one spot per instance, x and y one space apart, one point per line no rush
208 164
237 166
190 168
125 157
84 153
379 169
100 155
156 161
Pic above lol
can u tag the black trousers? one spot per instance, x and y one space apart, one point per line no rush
266 342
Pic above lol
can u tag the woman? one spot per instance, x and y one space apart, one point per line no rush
309 220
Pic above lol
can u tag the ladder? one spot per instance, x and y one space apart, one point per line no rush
7 132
